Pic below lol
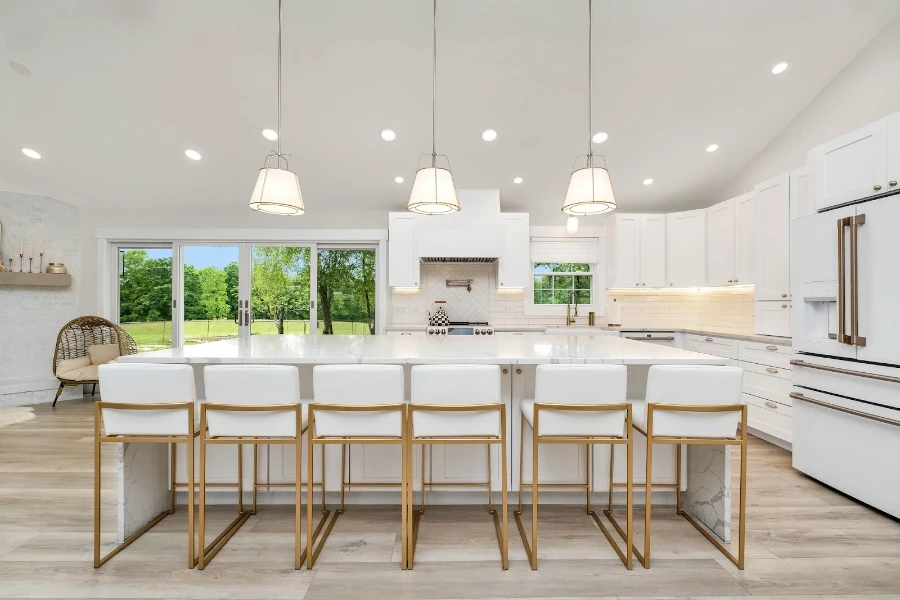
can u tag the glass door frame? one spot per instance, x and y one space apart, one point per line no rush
380 289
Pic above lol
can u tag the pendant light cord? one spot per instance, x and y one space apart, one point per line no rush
590 85
278 142
434 83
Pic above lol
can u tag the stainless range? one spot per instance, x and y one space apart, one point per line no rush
460 328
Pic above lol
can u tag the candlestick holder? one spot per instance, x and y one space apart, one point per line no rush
30 263
21 262
10 265
41 264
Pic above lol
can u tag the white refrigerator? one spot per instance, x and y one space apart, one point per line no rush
845 282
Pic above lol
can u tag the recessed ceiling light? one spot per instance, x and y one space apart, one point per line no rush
600 137
712 147
192 154
648 181
388 135
517 180
779 68
30 153
19 68
489 135
398 179
270 134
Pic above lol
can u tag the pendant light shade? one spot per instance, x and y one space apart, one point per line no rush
572 225
277 192
590 189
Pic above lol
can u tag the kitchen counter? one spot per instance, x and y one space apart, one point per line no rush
748 337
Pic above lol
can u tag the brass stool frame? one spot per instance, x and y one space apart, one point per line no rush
313 553
501 524
207 553
132 439
678 441
588 442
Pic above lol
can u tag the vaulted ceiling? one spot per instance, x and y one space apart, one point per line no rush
118 90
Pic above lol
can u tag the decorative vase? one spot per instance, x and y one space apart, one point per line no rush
57 268
438 318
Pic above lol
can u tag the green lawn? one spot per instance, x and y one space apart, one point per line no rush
158 334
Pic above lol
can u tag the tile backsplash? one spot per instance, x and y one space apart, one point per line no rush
726 309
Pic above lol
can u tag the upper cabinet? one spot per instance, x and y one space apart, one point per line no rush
731 241
514 264
801 192
403 256
857 165
636 250
686 248
773 204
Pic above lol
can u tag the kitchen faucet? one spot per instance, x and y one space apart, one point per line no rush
570 320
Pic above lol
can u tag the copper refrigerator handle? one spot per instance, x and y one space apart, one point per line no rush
855 338
849 411
842 337
876 376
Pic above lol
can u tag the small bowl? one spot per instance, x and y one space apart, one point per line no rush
57 268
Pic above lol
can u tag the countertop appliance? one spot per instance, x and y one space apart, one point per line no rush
661 338
846 368
461 328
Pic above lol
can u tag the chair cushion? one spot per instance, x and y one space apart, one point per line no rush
147 384
71 364
576 423
639 413
85 373
103 353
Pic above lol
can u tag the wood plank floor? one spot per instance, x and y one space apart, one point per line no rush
804 541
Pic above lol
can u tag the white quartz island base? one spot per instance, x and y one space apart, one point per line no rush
706 477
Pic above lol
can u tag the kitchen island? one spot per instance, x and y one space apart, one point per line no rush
706 476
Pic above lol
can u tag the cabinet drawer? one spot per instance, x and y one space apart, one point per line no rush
772 317
774 355
712 345
773 421
774 387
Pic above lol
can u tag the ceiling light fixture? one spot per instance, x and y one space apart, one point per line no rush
590 189
779 68
19 68
277 190
712 147
600 137
388 135
398 179
572 225
30 153
192 154
517 180
270 134
489 135
648 181
433 192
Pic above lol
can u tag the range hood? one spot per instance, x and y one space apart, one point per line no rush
472 235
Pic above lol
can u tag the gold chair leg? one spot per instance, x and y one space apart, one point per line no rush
648 503
530 550
255 497
172 465
678 510
311 535
207 553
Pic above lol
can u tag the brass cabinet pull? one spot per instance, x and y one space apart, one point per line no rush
735 280
876 187
772 348
849 411
784 306
771 369
730 281
772 405
506 371
784 295
803 363
518 371
708 339
892 183
842 337
855 338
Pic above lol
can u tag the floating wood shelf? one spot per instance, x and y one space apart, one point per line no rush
44 279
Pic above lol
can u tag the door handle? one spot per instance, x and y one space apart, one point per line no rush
855 338
849 411
771 370
772 405
842 337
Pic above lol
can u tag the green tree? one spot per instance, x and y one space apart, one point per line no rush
335 273
193 290
145 287
346 284
213 293
231 283
280 287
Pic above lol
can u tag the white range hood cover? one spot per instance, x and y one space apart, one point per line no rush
474 234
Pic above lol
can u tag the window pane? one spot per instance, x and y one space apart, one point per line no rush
145 296
563 282
210 293
562 267
346 282
542 282
582 282
279 288
543 297
583 296
560 296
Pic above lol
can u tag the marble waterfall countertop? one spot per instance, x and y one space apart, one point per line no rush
383 349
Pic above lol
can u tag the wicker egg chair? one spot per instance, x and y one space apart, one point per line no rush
73 341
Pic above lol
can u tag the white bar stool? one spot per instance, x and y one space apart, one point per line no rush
576 404
357 404
252 404
145 403
458 404
693 405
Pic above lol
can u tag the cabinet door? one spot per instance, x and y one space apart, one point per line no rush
653 250
745 243
801 193
720 243
626 251
403 260
893 152
514 266
773 275
686 248
772 318
878 280
851 167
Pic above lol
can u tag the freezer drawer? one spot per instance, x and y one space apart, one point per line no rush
871 383
852 453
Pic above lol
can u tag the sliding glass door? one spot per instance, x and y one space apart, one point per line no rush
143 298
345 289
208 293
281 279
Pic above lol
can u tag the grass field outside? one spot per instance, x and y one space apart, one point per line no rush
156 335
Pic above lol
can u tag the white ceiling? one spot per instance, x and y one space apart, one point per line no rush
119 89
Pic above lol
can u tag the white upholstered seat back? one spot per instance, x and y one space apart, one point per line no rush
455 385
581 384
695 385
147 384
252 385
359 385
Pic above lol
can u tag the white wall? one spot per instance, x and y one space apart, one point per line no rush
866 90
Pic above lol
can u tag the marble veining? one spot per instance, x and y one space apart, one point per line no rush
708 494
143 481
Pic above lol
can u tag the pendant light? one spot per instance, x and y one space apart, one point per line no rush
590 190
433 191
277 189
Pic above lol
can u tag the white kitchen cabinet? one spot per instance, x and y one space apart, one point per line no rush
720 243
773 275
686 248
801 198
772 318
893 152
514 264
403 259
636 250
745 239
851 167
